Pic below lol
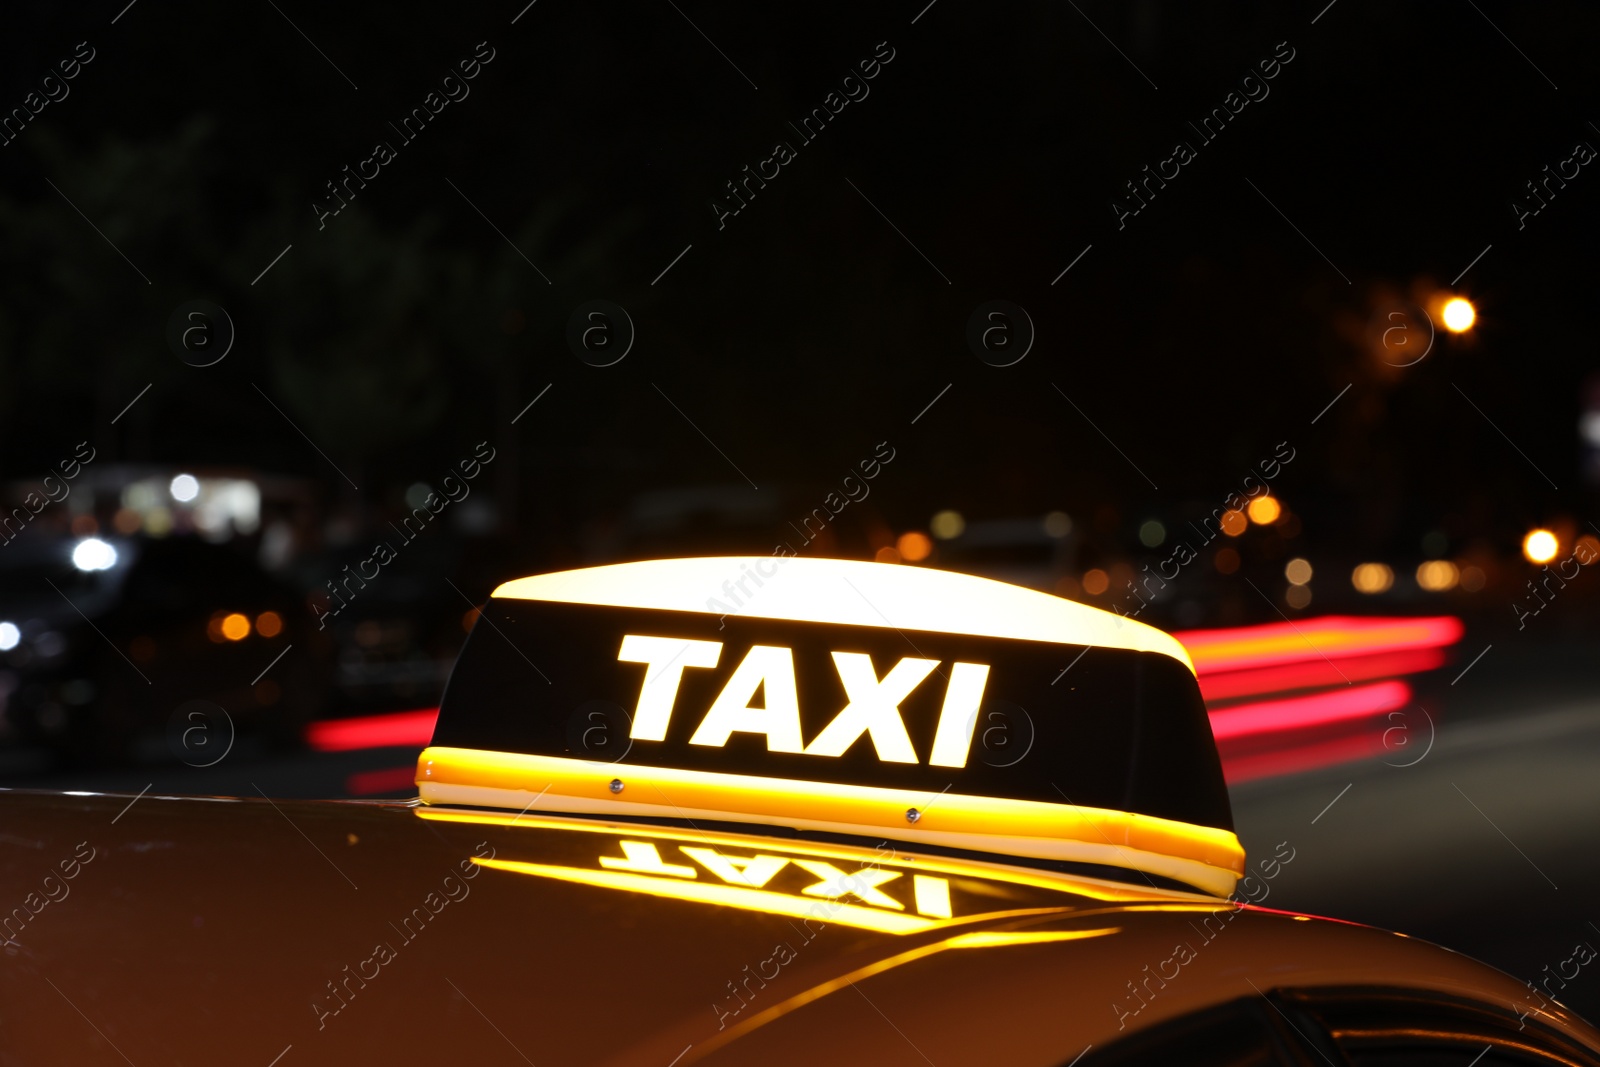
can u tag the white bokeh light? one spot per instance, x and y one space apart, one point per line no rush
184 488
93 554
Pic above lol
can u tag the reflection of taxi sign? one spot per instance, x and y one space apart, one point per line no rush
870 889
842 698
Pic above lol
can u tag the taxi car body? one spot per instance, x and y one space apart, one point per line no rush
861 813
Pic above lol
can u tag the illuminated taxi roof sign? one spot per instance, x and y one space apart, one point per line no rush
839 697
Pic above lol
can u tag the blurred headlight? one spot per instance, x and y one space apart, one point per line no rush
93 554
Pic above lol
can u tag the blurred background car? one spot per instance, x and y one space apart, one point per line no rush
103 639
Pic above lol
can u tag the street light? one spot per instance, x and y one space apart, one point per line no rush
1540 546
1459 314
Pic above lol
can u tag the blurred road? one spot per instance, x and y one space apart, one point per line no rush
1489 845
1487 842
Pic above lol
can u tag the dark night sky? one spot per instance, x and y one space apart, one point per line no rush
1210 328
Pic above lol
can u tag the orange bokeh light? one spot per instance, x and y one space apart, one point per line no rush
1459 315
1437 575
235 627
914 546
1372 578
1264 510
1234 523
269 624
1540 546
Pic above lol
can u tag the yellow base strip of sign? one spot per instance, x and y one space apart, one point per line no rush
1208 858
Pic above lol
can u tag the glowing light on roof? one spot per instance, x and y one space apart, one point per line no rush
851 593
1540 546
93 554
1205 857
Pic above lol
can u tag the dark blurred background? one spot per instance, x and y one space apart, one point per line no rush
217 394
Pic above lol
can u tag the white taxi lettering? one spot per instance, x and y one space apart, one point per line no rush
770 669
872 706
959 716
665 659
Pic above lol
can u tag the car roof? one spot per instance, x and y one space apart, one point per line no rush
205 929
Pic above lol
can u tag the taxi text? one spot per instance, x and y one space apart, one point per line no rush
872 706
